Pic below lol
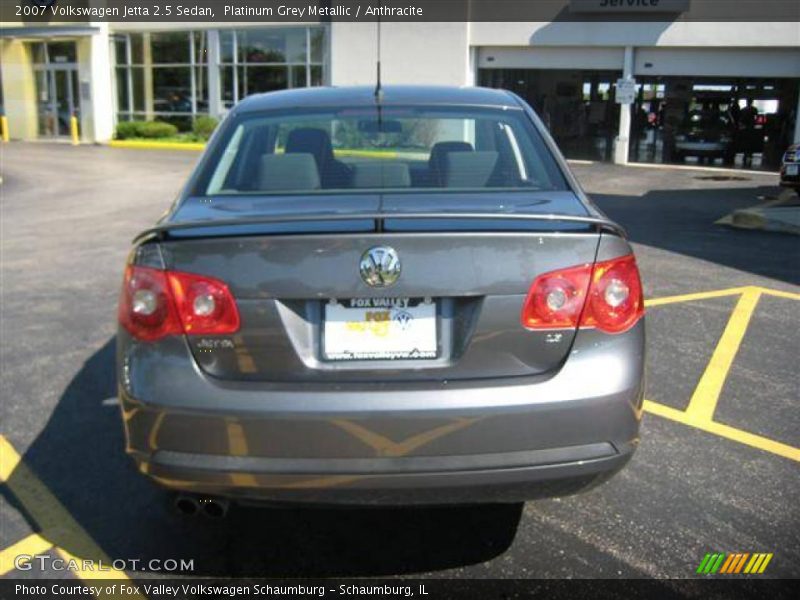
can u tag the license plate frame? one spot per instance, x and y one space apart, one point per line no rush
792 170
380 329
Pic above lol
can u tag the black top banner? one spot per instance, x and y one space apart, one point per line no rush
32 12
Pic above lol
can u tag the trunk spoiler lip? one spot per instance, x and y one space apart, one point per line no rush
161 231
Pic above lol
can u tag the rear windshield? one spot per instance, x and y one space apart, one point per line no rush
393 149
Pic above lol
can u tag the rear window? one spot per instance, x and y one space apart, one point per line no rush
369 150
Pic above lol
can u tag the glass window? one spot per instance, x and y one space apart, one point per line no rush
258 79
227 86
120 51
201 88
39 53
262 45
298 76
317 44
227 46
122 89
296 45
170 47
316 76
62 52
172 89
137 76
454 149
200 47
137 48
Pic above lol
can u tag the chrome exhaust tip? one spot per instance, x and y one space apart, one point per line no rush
215 508
187 505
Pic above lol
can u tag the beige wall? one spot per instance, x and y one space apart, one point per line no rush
412 53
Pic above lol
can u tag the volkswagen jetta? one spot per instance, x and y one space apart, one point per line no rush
401 297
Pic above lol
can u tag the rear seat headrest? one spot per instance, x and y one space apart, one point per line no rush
288 172
381 174
469 169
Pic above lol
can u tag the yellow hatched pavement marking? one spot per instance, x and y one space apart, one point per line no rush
700 411
57 526
33 544
706 394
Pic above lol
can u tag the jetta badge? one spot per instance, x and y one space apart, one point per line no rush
380 266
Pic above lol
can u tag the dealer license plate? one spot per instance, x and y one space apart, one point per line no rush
380 329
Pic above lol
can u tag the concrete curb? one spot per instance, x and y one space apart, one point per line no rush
143 145
781 215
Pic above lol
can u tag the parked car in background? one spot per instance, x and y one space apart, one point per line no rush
402 298
706 135
790 167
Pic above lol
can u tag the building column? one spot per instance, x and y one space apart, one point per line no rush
623 141
19 89
97 123
214 87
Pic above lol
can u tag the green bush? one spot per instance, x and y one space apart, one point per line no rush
127 129
204 126
156 129
145 129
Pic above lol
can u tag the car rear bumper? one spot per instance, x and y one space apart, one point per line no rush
432 442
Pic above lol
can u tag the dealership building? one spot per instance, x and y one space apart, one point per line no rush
687 83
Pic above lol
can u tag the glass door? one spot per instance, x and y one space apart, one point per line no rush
58 100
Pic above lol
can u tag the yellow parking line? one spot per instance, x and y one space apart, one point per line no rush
33 544
780 294
51 518
696 296
725 431
706 394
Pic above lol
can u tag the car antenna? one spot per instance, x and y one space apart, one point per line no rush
378 88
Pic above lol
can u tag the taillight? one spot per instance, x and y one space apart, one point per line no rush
615 300
607 296
205 305
556 299
155 303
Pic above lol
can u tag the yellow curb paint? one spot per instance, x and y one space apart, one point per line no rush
4 128
706 394
52 519
142 145
31 545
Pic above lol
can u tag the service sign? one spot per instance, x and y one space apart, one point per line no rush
626 91
628 6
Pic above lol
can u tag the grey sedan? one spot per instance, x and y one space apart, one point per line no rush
380 298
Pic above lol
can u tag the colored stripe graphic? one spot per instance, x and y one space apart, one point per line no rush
734 563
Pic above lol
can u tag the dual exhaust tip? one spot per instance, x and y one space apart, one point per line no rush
191 506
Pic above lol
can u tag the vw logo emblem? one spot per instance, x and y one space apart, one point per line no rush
380 266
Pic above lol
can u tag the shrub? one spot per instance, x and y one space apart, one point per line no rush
127 129
145 129
204 126
156 129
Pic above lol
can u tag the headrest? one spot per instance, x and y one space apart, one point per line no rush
440 149
288 172
381 174
312 141
469 169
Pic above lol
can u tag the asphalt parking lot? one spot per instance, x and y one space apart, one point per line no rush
718 469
